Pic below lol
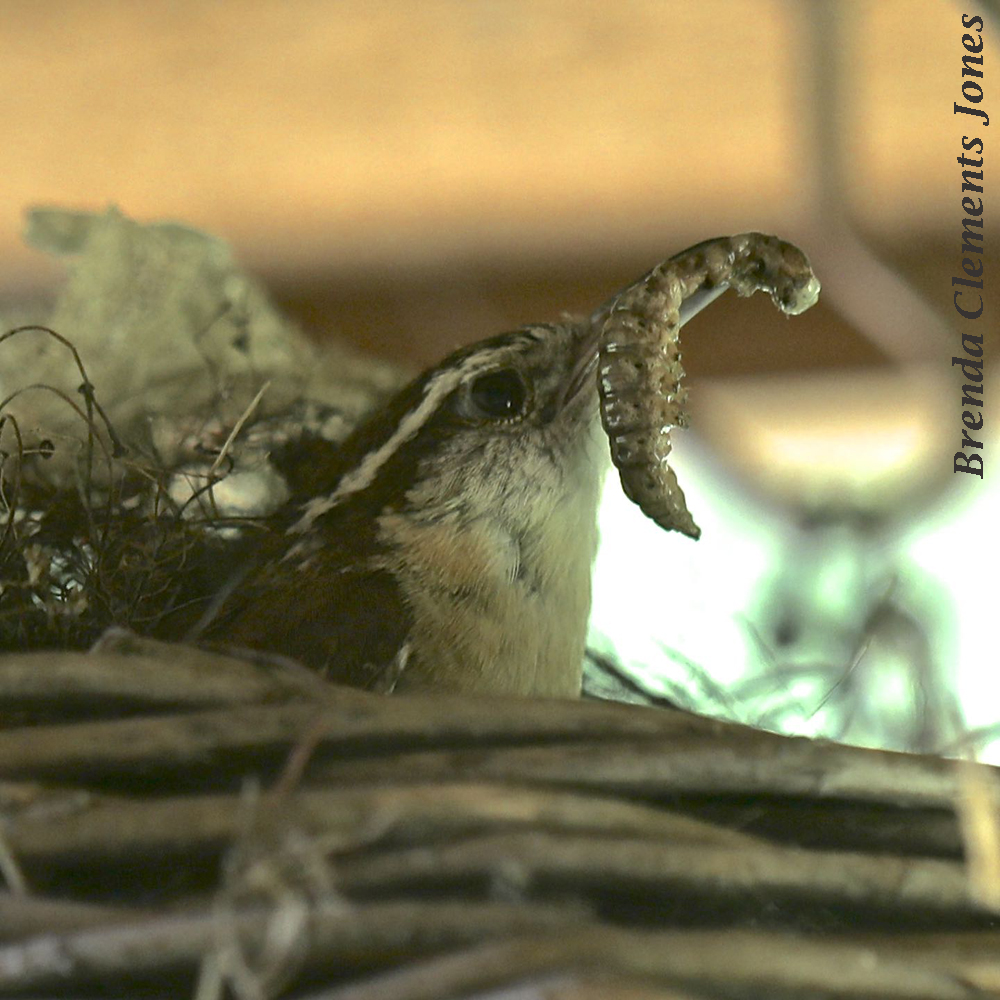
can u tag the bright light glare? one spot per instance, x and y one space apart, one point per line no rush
958 545
658 593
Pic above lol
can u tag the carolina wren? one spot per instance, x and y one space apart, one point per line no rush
448 542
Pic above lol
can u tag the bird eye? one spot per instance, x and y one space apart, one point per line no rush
499 395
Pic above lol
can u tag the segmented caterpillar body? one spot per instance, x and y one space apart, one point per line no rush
639 361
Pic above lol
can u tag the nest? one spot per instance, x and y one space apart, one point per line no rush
141 424
177 821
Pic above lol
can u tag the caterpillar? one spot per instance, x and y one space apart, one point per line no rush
639 373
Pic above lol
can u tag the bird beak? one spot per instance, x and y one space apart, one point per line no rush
586 336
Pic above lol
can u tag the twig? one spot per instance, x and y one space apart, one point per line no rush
237 427
755 964
858 886
102 682
23 916
10 501
106 830
350 717
376 935
10 869
978 807
86 387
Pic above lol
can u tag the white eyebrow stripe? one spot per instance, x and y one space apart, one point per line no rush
364 473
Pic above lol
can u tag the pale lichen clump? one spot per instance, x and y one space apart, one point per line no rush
152 392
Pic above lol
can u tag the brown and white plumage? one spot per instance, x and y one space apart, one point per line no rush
450 542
